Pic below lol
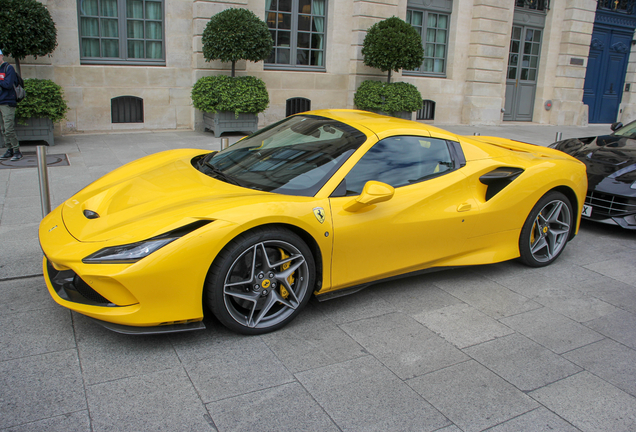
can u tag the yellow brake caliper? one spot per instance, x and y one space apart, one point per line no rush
283 291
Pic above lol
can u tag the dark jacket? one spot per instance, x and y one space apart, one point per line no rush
7 80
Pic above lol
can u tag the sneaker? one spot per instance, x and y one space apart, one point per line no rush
17 155
7 155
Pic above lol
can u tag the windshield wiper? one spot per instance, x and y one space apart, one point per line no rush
221 175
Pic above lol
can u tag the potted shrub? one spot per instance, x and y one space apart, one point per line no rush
233 103
44 105
391 45
396 99
230 104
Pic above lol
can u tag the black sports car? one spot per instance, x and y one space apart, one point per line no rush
611 174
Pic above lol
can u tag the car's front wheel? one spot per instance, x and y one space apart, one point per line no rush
547 230
261 280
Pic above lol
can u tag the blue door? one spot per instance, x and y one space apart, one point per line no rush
605 75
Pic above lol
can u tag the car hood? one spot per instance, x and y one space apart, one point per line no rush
606 156
149 197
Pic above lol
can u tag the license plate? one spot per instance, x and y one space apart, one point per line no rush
587 210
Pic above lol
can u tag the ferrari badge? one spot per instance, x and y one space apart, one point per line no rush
319 212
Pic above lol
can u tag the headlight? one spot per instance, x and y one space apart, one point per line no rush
133 252
125 254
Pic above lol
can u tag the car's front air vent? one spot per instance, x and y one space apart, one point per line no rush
498 179
90 214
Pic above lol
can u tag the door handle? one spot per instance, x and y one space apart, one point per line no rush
464 207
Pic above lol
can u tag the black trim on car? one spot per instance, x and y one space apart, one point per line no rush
498 179
354 289
69 286
162 329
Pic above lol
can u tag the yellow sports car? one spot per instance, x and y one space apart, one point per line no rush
323 202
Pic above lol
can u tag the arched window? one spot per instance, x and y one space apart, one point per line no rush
297 105
127 109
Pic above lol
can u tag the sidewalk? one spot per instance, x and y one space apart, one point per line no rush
500 347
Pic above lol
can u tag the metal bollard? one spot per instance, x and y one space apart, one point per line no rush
225 143
559 136
43 175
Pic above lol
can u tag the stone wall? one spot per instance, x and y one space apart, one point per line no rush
576 27
473 91
487 61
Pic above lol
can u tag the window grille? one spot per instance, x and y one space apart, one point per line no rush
620 6
127 109
428 110
540 5
297 105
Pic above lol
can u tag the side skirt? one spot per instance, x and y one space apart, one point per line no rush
354 289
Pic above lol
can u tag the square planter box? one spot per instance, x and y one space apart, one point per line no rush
36 129
226 121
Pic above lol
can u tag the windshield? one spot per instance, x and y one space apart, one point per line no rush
295 156
628 130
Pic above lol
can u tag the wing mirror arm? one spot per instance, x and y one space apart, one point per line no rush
373 192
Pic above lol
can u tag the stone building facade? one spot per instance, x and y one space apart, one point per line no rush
468 76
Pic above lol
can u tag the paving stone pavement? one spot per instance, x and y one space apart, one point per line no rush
499 347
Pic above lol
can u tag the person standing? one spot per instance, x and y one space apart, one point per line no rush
8 104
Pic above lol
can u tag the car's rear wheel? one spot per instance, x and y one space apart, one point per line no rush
261 280
547 230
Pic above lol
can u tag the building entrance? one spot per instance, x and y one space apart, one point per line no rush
605 74
523 67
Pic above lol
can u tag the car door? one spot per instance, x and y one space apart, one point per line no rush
422 223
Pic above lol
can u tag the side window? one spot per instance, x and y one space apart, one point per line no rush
400 161
121 32
298 31
431 19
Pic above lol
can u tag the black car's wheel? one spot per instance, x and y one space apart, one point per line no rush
260 281
546 231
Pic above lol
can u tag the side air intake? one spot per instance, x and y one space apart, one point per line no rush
498 179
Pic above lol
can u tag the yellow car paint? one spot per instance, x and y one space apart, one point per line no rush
359 239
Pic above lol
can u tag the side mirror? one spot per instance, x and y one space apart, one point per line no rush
616 125
373 192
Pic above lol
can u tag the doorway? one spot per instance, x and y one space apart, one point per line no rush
523 67
605 74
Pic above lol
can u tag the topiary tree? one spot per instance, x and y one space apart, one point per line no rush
236 34
27 29
391 45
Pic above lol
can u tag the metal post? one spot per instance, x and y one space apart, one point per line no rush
559 136
43 175
225 143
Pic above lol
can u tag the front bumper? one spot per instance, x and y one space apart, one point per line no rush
164 289
612 209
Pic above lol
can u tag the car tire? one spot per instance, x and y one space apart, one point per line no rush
546 231
260 281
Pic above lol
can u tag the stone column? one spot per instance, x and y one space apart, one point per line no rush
487 61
